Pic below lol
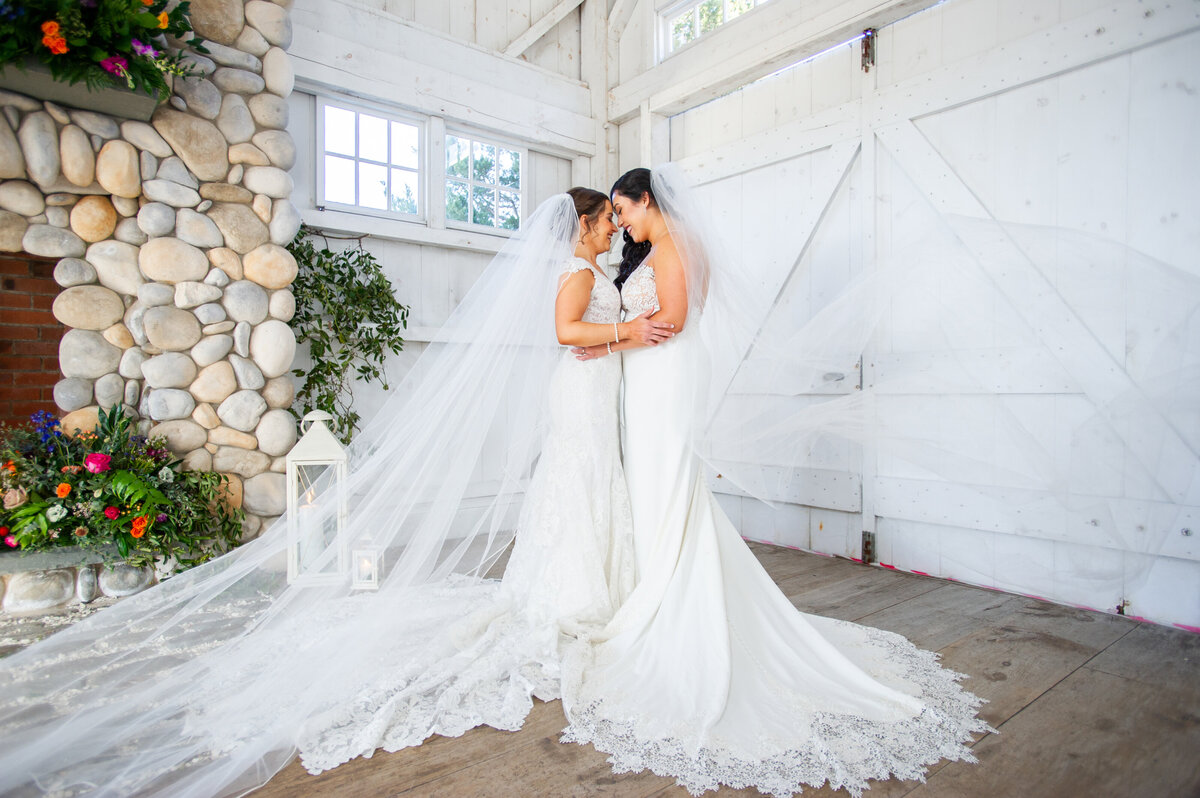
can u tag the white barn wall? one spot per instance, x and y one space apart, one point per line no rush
430 269
494 24
1082 147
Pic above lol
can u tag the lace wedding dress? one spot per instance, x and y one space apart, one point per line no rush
572 565
707 673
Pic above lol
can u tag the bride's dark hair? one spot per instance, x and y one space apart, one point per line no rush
588 202
633 184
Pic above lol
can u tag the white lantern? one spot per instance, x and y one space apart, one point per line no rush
316 503
366 564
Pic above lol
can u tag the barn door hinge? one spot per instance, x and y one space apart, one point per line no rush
868 547
868 49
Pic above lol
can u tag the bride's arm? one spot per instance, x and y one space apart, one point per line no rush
572 302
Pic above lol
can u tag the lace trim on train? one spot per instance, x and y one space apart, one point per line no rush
845 751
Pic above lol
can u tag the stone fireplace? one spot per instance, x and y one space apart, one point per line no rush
166 239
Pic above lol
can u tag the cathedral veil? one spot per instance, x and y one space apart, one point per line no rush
202 685
205 685
929 367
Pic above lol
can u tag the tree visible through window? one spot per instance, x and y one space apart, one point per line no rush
689 21
371 161
483 183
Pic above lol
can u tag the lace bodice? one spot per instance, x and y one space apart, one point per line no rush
639 293
604 307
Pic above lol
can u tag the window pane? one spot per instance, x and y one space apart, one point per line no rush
404 145
682 30
735 8
457 155
372 138
456 200
510 168
484 163
483 207
339 180
372 186
710 15
339 130
510 210
404 191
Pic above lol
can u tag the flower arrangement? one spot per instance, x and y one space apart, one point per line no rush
109 486
99 42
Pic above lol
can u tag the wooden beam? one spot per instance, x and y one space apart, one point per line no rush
619 17
594 65
776 35
540 28
398 230
349 49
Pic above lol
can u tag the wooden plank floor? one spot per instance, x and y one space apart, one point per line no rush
1085 704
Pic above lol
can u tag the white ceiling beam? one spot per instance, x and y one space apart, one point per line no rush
540 28
619 16
350 49
771 37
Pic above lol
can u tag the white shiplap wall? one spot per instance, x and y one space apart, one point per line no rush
495 24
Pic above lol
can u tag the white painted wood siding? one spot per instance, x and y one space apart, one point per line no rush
494 24
1065 114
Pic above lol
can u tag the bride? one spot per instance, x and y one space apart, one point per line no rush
707 673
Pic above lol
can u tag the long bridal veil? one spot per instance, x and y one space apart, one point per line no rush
981 376
206 684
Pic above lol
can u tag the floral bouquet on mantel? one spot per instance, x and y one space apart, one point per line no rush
107 487
100 42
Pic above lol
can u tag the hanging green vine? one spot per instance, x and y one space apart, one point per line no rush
350 319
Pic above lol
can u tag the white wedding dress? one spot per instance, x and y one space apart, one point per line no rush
707 673
571 567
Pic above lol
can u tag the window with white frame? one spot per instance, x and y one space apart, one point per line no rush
484 182
684 23
370 161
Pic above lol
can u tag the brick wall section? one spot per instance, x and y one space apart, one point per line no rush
29 336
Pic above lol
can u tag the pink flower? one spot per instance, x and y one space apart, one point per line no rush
144 49
10 541
116 65
97 463
111 513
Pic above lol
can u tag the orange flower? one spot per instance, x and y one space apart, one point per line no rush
141 521
56 44
63 490
50 28
162 20
137 531
147 2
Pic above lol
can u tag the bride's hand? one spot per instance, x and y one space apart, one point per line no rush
589 352
648 332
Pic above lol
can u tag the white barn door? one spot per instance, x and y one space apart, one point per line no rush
1059 165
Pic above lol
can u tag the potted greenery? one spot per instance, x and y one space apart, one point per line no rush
109 488
350 319
108 55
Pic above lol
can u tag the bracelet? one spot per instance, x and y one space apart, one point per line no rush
616 333
609 347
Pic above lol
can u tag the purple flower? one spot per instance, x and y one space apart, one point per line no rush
144 49
160 518
116 65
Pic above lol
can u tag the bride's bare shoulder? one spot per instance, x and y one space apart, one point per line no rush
665 255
